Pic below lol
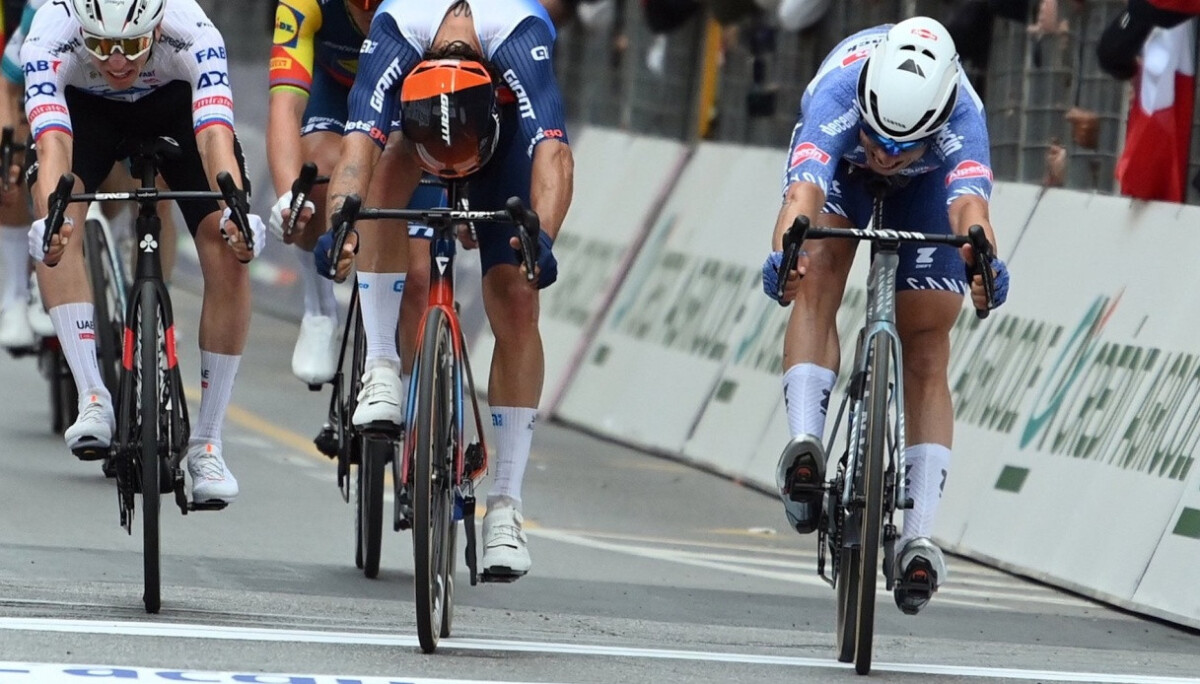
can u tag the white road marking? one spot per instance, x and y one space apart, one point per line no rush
47 673
231 633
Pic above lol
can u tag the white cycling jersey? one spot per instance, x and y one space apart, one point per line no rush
189 48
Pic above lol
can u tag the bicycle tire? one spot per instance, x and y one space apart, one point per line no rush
847 603
108 317
353 445
374 455
878 377
433 470
451 562
149 410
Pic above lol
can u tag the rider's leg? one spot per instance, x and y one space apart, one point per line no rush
314 358
15 330
382 261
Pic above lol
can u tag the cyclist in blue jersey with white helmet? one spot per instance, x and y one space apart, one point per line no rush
890 111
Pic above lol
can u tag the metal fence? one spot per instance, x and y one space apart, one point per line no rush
1029 85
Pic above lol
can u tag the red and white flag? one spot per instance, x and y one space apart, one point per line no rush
1154 163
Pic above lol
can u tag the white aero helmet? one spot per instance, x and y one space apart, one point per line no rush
119 18
909 85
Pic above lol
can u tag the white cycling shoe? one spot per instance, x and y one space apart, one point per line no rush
505 548
91 434
314 359
211 478
15 331
921 570
381 399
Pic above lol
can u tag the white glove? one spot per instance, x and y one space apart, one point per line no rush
258 230
285 202
37 235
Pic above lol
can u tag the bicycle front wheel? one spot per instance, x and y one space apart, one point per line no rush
374 451
107 299
434 422
871 522
149 382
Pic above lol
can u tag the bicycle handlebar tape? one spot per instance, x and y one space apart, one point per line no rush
983 260
301 188
57 208
239 207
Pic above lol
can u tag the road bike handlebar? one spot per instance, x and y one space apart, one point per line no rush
515 212
800 230
301 189
233 197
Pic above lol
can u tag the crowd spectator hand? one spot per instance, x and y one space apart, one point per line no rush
770 277
1056 165
323 258
1085 127
547 265
282 211
58 243
233 235
1047 22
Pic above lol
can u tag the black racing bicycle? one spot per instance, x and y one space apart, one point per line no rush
438 469
152 417
868 487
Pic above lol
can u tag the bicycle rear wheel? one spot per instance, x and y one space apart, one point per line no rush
149 381
107 298
871 521
434 422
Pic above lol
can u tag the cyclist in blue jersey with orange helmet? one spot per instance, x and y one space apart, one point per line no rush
889 111
510 141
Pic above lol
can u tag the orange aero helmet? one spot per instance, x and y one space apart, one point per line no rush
448 113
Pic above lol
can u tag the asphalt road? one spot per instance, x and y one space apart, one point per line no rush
645 570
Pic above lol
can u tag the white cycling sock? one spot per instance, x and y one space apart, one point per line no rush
379 296
806 390
514 436
318 291
217 372
76 329
14 255
925 480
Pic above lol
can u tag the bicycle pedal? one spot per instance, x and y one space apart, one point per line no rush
500 575
326 441
210 505
314 388
91 452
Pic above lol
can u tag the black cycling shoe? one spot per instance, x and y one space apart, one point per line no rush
922 567
800 477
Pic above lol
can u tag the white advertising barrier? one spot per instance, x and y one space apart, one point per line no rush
620 181
744 427
1078 408
657 357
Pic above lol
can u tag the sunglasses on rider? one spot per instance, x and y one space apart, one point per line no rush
132 48
892 147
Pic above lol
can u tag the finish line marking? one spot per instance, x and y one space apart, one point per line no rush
228 633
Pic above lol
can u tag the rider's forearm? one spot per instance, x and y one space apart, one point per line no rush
216 153
284 157
54 159
801 199
352 174
971 210
552 184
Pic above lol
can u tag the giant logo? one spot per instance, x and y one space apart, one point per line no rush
523 103
389 77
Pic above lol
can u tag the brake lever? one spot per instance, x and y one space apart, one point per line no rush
57 208
239 207
301 188
343 224
982 249
793 237
528 232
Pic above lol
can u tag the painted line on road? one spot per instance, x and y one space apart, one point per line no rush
263 634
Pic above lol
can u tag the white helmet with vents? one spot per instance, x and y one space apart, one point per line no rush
118 18
909 85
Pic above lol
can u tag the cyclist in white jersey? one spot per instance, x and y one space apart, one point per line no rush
100 76
889 110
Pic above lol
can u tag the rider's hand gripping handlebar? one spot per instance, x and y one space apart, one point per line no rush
239 207
301 188
343 224
528 232
57 208
982 250
792 239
